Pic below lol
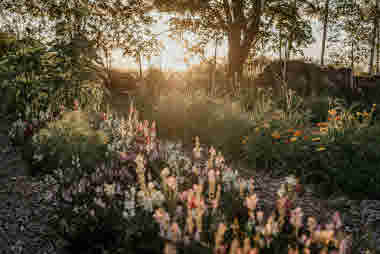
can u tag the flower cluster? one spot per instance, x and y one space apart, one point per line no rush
191 214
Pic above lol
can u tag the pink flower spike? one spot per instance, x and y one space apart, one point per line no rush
344 246
337 220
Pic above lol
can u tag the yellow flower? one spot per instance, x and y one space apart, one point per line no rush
316 139
293 139
358 113
276 135
321 149
257 129
332 112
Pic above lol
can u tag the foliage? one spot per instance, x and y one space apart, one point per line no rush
214 20
54 146
35 75
339 155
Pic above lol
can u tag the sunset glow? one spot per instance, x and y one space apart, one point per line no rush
172 57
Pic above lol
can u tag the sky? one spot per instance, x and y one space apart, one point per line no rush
173 54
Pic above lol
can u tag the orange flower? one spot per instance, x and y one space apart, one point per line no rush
297 133
322 124
332 112
276 135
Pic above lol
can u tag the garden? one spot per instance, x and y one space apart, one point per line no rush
119 187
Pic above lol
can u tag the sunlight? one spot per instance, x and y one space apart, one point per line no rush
172 56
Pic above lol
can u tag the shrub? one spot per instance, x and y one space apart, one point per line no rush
54 146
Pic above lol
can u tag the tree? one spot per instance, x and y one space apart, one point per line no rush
325 20
348 38
241 22
109 24
371 12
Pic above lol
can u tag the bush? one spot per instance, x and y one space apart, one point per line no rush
54 146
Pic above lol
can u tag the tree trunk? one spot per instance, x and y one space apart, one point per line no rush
378 50
373 45
214 69
140 64
378 41
352 54
291 35
280 53
324 31
237 57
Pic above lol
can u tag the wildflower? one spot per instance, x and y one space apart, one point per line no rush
324 236
165 173
291 180
276 135
281 191
266 125
172 183
176 231
321 124
296 217
260 216
254 251
234 246
311 224
109 189
246 245
344 246
251 202
170 249
212 151
76 104
192 202
337 220
219 160
293 251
